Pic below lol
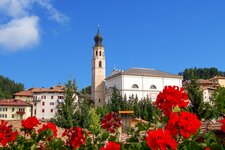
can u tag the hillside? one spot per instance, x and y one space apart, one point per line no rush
8 87
201 73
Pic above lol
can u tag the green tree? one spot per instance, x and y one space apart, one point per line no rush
103 110
94 121
196 98
219 100
9 87
81 116
66 109
115 102
86 90
201 73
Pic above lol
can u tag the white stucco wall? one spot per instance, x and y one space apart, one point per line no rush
207 94
47 114
124 84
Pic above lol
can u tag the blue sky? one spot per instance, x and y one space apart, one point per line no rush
46 42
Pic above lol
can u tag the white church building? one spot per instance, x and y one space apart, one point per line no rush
140 82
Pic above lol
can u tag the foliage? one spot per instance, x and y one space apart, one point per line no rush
201 73
115 102
9 87
73 111
81 115
197 105
94 121
103 110
219 100
143 109
66 109
86 90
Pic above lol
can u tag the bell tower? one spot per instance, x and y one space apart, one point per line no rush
98 71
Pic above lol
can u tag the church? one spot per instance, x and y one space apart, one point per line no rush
140 82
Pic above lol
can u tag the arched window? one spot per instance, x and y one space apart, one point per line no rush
135 86
153 87
100 64
96 53
100 53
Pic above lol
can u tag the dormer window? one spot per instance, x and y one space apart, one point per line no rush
135 86
152 87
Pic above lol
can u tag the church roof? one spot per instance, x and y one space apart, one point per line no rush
142 72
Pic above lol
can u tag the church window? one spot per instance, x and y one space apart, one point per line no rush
100 64
96 53
99 100
135 86
153 87
100 53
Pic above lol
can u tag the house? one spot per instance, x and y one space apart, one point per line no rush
44 100
219 80
208 88
14 109
26 95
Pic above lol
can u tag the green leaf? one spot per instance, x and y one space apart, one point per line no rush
56 144
105 135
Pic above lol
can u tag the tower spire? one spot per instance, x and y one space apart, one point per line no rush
98 26
98 38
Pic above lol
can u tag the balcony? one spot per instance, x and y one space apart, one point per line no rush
36 99
20 112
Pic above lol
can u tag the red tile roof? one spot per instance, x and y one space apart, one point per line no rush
13 102
57 89
24 93
54 89
217 77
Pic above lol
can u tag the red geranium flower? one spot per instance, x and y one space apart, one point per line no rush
50 126
184 122
111 146
170 97
110 122
6 133
75 137
223 124
160 139
30 123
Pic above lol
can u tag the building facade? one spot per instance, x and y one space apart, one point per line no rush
208 88
44 100
140 82
98 71
14 109
219 80
26 96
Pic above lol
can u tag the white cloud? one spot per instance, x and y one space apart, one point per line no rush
20 33
22 30
55 14
15 8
